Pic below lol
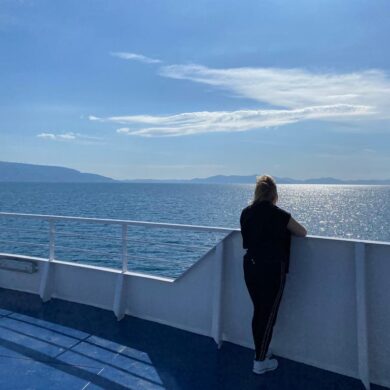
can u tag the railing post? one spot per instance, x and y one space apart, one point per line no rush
361 315
45 278
119 301
124 248
216 326
52 240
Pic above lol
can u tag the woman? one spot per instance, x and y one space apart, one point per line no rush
266 231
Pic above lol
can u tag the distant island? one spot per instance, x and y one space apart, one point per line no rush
251 179
20 172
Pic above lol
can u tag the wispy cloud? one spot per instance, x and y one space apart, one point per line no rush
57 137
290 88
226 121
69 136
286 96
135 57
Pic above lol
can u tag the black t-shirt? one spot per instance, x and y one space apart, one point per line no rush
264 232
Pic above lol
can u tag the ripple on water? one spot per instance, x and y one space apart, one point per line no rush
361 212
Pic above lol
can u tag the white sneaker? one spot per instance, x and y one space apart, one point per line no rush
262 366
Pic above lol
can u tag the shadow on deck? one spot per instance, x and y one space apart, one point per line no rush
63 345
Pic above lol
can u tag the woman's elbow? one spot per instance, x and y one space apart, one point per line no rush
296 228
303 232
299 232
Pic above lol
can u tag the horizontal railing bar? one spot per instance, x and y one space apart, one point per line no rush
118 222
23 243
167 225
130 256
163 243
24 230
140 241
170 226
107 252
76 249
145 257
60 234
329 238
83 235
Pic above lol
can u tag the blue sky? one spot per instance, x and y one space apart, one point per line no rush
182 89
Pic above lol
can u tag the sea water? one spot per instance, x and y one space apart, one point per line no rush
345 211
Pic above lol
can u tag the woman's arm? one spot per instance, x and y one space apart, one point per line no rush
296 228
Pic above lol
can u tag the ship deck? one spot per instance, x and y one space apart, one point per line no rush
64 345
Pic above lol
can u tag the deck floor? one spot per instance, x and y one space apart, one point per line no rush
63 345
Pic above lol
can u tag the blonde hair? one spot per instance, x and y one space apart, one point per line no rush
265 189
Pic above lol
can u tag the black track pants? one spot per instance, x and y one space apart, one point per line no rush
265 283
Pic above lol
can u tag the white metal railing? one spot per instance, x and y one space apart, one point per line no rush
124 224
54 220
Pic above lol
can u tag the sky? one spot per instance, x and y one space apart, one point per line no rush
182 89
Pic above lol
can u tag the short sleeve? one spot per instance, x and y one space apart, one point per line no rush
284 217
243 230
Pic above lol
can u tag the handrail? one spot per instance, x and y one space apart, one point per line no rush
120 222
54 233
166 225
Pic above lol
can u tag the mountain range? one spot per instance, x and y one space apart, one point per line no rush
20 172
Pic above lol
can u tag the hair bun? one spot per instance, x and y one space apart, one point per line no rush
265 188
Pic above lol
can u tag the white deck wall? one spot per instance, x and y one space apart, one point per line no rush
317 322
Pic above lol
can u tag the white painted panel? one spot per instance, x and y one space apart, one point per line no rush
87 285
316 322
185 303
378 309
